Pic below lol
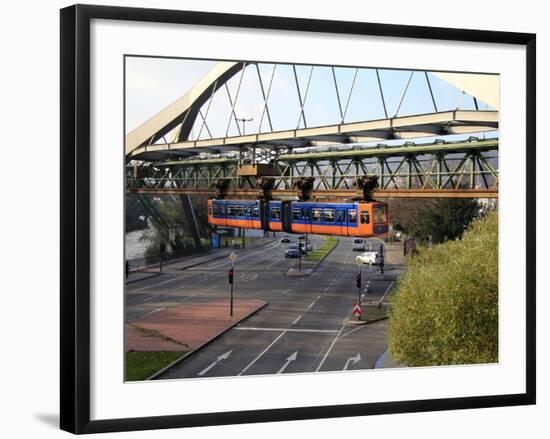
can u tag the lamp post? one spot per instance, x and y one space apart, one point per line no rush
244 120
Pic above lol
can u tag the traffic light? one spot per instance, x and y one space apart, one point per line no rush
358 280
230 276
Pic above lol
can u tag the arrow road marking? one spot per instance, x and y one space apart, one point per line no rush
288 361
352 361
220 358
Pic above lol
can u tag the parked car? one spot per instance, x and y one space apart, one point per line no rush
358 245
285 239
367 258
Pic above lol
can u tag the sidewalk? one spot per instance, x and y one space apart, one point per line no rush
135 276
187 326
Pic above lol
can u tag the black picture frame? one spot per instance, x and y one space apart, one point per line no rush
75 217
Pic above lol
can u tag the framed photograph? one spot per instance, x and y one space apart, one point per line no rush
275 218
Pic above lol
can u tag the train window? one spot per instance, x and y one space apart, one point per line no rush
379 214
296 213
238 210
329 215
247 211
210 210
256 212
230 211
365 217
316 215
340 216
305 214
352 216
276 212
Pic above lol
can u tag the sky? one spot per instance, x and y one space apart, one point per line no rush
154 83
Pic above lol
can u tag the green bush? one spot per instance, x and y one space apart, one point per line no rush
445 309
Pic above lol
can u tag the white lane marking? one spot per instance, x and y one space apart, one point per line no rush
156 310
211 287
297 319
330 348
311 304
351 331
352 361
262 353
152 286
187 298
150 298
318 297
220 358
288 361
387 291
251 328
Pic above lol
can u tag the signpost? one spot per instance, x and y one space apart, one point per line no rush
358 280
232 258
357 310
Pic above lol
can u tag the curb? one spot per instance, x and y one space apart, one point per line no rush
143 278
196 264
325 255
190 353
312 269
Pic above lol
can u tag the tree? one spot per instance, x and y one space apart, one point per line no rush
443 219
445 309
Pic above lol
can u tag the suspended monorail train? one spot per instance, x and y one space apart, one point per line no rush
343 219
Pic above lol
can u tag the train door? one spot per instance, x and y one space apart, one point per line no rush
341 221
286 212
306 218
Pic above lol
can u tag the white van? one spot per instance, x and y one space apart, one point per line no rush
358 245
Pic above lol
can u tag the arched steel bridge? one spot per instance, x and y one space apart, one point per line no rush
181 151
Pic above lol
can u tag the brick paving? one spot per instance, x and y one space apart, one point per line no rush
185 326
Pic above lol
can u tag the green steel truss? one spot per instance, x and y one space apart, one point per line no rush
458 166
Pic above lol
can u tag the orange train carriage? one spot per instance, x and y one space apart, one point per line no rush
343 219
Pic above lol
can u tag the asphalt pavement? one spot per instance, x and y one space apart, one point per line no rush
302 329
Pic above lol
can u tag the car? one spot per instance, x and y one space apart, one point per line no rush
292 251
285 239
367 258
358 244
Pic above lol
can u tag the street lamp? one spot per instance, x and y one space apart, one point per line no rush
244 120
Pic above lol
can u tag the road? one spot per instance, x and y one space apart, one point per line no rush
303 327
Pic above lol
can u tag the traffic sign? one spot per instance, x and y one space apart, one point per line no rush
356 310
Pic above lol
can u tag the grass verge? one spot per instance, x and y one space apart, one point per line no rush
318 254
372 312
141 365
